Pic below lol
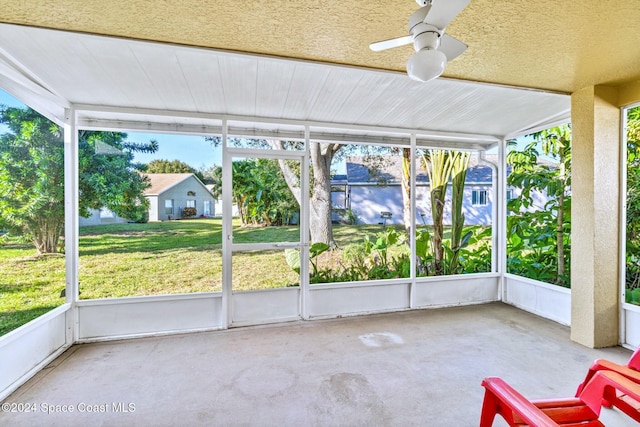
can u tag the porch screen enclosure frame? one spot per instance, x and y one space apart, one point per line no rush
177 89
629 313
317 301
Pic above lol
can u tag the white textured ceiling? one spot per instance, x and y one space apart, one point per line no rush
130 84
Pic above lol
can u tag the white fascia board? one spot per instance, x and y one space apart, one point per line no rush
17 80
549 122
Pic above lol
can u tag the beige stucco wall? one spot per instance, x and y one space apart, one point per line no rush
629 94
595 215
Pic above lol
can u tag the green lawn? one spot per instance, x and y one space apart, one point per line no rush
171 257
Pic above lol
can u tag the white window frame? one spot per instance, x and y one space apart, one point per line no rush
167 207
477 198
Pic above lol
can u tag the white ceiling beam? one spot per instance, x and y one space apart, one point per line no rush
151 120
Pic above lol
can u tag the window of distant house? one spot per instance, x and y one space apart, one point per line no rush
107 213
479 198
191 193
509 195
168 207
191 204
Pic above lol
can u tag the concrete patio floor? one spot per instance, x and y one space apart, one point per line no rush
418 368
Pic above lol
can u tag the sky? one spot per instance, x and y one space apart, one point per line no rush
192 150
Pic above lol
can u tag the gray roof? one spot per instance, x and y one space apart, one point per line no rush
388 170
161 182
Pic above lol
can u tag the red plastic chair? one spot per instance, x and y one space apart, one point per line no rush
631 371
584 410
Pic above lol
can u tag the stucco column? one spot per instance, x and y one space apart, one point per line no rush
595 210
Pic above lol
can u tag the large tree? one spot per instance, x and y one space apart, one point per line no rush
32 176
322 155
172 166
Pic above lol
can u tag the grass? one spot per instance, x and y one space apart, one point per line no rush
29 286
148 259
122 260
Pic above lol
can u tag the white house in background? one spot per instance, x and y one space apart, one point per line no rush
372 191
101 217
170 193
217 208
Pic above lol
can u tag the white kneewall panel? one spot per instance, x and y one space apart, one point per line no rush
350 299
26 350
462 289
136 316
632 325
545 300
266 306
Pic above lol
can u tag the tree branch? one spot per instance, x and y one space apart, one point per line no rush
290 177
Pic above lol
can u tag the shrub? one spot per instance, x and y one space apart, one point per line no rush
189 212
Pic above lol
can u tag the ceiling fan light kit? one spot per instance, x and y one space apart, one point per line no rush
427 33
426 64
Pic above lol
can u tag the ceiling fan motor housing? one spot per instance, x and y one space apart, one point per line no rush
423 3
425 36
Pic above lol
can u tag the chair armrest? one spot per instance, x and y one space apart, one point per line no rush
604 385
624 370
622 383
517 403
606 365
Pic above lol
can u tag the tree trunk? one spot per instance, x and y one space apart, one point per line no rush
241 209
560 235
459 166
320 202
46 233
437 210
406 189
439 173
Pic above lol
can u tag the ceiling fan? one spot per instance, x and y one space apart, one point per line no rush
426 31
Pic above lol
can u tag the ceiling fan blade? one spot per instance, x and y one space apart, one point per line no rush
388 44
443 11
451 47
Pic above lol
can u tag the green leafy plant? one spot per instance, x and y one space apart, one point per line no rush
632 258
538 237
439 170
352 216
459 166
32 176
475 256
292 257
380 244
423 252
